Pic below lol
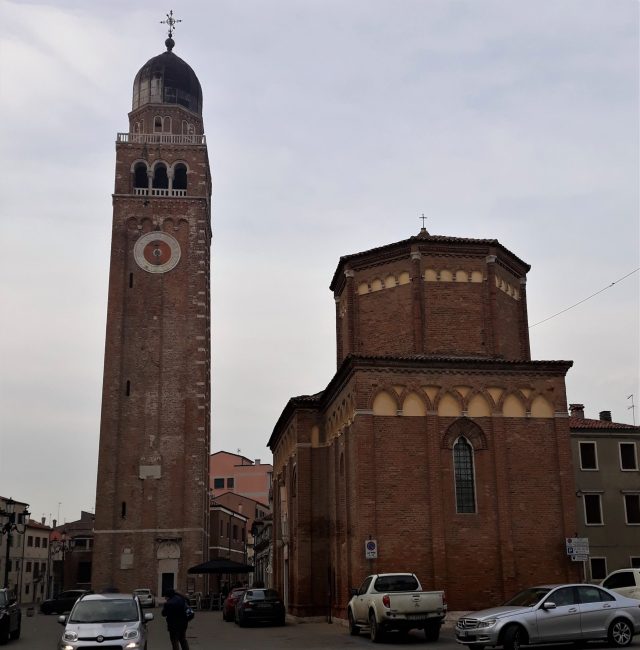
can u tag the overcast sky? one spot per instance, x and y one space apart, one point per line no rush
331 127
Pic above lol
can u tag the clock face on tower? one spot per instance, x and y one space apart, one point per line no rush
157 252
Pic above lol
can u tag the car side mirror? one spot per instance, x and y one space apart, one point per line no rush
548 605
353 591
62 619
148 616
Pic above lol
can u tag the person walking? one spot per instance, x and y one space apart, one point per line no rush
174 611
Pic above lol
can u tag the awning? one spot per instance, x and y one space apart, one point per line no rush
221 565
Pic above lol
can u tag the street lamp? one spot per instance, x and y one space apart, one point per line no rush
63 546
8 527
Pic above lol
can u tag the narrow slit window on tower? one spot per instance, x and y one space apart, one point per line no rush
464 476
130 280
128 389
123 510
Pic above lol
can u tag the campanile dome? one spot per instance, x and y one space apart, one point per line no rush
167 79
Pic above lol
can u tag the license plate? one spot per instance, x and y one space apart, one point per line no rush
417 617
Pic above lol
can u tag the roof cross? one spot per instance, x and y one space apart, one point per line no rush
171 21
423 219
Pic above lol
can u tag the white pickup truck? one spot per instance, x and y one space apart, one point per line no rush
625 581
395 601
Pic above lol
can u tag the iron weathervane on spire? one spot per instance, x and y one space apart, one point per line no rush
171 22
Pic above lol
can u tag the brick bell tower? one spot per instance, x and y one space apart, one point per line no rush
152 500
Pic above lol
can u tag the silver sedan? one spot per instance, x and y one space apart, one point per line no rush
551 614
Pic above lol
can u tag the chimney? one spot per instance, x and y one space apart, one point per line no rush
605 416
43 520
54 523
577 411
256 461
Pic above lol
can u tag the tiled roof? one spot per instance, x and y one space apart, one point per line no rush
585 423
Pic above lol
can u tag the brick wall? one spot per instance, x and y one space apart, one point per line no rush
156 389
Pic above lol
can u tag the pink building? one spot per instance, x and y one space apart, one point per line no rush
235 473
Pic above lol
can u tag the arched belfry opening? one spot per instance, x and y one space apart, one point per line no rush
140 177
160 177
180 177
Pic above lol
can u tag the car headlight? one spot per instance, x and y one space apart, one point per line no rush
70 636
130 634
488 623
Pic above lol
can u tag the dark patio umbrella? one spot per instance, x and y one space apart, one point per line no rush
221 565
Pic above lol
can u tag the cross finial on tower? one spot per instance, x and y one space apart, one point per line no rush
171 21
423 219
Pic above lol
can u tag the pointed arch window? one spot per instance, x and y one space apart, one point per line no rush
464 476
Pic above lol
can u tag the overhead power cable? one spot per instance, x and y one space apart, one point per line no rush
585 299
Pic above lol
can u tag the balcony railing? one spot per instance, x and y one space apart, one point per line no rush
157 191
161 138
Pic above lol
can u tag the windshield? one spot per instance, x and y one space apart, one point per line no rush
262 594
396 583
104 611
529 597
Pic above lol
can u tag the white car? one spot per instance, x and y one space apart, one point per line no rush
116 619
145 596
552 614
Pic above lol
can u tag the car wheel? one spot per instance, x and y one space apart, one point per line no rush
16 633
620 633
476 646
240 621
514 637
432 633
4 633
354 630
375 630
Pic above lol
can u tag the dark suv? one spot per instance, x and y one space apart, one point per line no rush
63 602
10 617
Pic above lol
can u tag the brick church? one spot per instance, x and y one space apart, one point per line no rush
438 441
152 488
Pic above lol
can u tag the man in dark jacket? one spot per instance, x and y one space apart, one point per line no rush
175 612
